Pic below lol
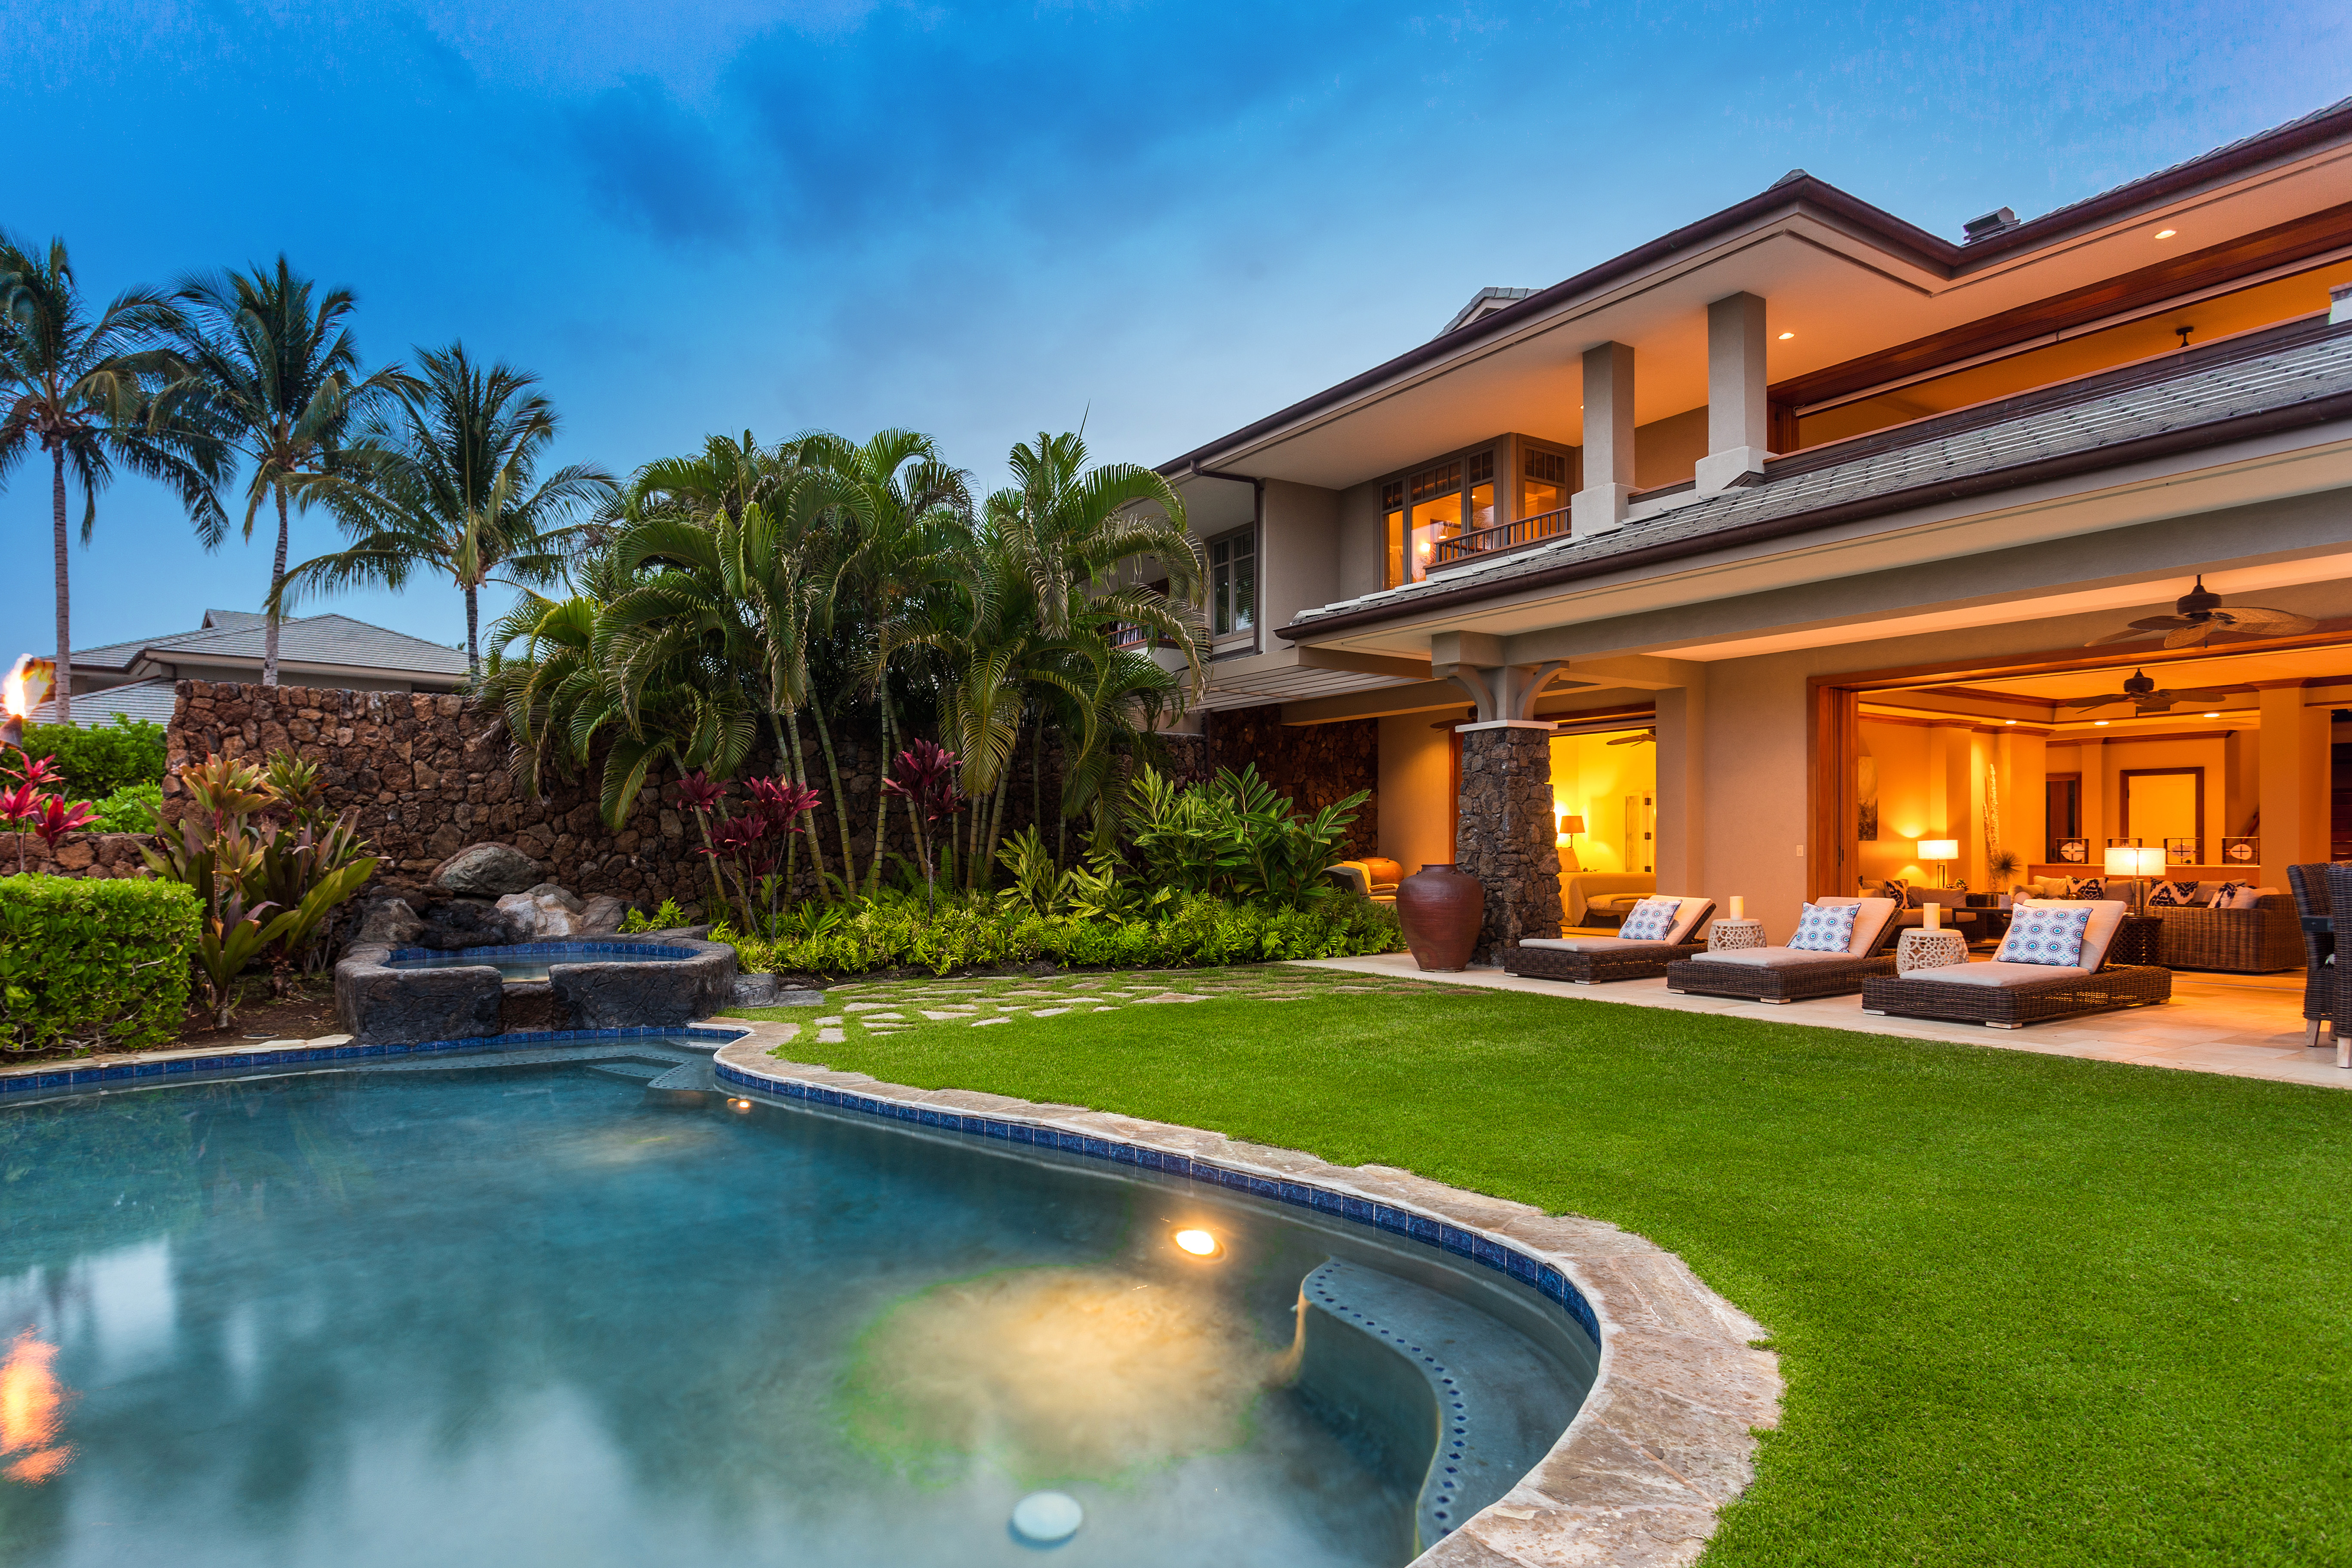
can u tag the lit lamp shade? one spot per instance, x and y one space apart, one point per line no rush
1939 849
1570 823
2128 860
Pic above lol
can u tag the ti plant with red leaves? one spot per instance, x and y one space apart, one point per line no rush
925 775
29 807
750 843
705 796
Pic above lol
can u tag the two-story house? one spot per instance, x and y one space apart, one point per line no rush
1796 540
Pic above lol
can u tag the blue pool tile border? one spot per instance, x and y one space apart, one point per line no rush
1544 1279
299 1056
541 949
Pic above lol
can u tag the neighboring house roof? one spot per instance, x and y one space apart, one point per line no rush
2287 376
146 701
1486 302
237 636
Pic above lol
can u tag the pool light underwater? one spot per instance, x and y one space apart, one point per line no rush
1199 1243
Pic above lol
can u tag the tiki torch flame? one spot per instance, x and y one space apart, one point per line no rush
27 686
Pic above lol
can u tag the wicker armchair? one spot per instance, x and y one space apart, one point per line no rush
2264 940
2312 903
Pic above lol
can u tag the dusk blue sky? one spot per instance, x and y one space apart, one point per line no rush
984 221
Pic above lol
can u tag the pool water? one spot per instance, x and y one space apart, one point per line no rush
536 968
517 1316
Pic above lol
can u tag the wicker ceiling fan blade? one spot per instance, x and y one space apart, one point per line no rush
2194 696
2162 623
2274 622
2099 702
2129 634
2191 635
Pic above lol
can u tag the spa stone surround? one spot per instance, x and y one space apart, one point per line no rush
1666 1436
380 1005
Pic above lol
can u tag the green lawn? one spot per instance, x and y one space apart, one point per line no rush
2029 1309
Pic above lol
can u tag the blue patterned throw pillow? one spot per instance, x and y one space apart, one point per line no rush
2044 936
2173 896
2227 891
2087 888
1651 919
1825 928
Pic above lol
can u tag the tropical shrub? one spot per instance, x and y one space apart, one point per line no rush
894 930
96 763
669 917
133 808
256 842
93 963
1233 837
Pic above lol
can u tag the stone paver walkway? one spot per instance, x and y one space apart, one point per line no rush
2246 1025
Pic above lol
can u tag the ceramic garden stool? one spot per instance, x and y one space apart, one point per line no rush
1922 949
1725 935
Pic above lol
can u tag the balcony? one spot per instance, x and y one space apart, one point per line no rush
1503 536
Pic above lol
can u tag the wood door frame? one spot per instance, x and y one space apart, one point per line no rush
2123 777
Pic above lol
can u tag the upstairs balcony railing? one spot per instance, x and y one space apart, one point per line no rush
1502 536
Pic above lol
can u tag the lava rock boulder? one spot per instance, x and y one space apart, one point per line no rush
487 871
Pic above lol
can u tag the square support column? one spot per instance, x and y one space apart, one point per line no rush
1506 836
1601 505
1682 792
1738 422
2293 781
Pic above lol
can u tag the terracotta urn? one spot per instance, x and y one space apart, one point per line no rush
1440 908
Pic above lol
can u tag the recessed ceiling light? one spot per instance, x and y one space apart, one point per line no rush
2212 715
2009 720
2098 723
1786 336
2165 233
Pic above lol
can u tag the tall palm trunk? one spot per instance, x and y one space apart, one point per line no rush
473 631
881 795
798 772
840 801
277 580
63 710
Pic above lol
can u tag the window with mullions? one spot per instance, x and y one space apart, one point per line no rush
1232 584
1543 484
1442 501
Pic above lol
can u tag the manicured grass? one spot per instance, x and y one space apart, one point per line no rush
2031 1310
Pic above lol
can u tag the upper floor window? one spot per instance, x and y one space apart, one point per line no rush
1442 501
1232 584
1543 482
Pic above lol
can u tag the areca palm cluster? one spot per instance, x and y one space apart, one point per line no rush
754 597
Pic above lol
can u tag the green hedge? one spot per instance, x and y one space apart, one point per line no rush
1195 931
96 963
97 763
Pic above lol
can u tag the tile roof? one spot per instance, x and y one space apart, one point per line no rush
311 639
2300 364
148 701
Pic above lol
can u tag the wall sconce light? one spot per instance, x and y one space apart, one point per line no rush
1941 852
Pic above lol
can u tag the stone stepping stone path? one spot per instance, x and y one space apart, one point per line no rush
895 1007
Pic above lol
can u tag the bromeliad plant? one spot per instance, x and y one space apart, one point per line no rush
259 841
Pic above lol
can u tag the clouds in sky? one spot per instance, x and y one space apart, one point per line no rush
986 219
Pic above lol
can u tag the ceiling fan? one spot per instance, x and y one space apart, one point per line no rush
2142 693
1647 737
2199 616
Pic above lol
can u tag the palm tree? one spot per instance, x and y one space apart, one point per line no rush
93 393
447 480
280 383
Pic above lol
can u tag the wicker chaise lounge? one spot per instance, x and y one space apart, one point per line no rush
2005 996
1591 960
1791 974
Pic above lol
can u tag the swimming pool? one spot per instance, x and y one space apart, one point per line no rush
503 1309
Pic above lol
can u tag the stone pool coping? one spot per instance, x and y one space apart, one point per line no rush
1668 1435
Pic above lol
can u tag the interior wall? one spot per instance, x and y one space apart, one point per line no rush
1592 778
1416 804
1899 752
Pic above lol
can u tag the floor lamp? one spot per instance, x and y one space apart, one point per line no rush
2136 862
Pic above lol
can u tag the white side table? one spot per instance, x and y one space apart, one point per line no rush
1920 948
1723 936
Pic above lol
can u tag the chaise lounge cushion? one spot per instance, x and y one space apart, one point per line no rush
1767 957
1588 943
1869 925
1997 973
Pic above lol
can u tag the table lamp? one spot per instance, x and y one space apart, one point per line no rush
1571 824
1942 852
2136 862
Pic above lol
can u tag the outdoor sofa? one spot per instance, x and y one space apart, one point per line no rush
2263 936
2009 995
1789 974
1589 960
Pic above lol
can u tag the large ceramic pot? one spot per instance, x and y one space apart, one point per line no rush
1440 908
